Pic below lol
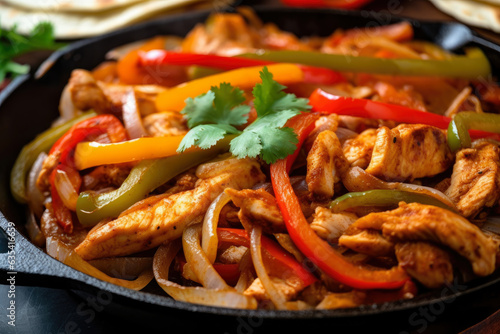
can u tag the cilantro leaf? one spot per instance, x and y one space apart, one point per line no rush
269 97
213 115
13 44
206 135
220 105
266 136
218 112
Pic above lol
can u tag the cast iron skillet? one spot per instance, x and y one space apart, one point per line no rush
30 103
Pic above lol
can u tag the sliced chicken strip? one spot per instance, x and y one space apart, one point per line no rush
330 226
426 262
164 220
358 150
419 222
259 207
325 164
475 182
370 242
408 152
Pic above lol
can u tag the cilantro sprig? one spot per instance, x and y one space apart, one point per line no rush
220 112
12 44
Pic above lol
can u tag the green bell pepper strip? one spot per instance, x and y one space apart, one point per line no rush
146 176
471 66
383 197
42 143
458 129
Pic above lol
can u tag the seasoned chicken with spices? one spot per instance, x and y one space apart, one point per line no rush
475 182
166 218
408 152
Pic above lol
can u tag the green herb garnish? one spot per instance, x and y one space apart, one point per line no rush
12 44
220 111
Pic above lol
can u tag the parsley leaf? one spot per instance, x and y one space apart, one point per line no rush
218 112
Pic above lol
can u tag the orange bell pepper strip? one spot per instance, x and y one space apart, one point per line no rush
309 243
91 154
173 99
131 74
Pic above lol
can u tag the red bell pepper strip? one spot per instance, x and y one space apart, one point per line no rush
240 237
324 102
64 149
321 253
154 59
92 126
340 4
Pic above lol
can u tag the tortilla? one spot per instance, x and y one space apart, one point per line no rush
71 5
482 14
72 25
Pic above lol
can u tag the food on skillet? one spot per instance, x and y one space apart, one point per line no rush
243 166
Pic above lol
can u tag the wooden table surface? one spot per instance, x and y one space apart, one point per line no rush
416 9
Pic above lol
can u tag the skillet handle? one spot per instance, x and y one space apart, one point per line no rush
30 265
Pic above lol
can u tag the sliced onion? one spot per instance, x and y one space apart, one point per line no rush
246 269
131 115
492 224
357 179
428 191
123 267
66 189
35 196
63 253
278 298
67 109
344 133
458 101
209 240
34 232
198 261
198 295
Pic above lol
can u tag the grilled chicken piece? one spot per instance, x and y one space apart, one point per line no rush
408 152
323 123
370 242
105 176
150 225
258 207
167 123
325 165
475 182
330 226
419 222
358 150
339 300
88 93
426 262
286 287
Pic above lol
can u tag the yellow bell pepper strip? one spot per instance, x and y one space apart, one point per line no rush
91 154
320 252
42 143
458 130
471 66
383 198
145 177
173 99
